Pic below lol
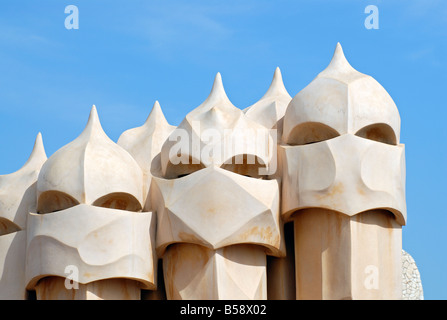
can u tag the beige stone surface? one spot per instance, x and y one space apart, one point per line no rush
18 190
12 266
341 100
17 197
340 257
213 134
343 186
348 174
195 272
144 144
215 205
289 198
53 288
89 170
242 210
101 243
270 109
89 202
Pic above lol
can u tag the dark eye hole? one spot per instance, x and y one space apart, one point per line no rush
52 201
380 132
182 169
246 165
119 200
310 132
7 226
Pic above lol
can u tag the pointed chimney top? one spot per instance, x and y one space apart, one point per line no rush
93 124
217 98
38 155
218 89
156 116
339 67
277 85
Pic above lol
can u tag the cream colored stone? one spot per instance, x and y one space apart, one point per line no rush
102 243
144 143
270 109
209 209
12 266
53 288
341 100
241 210
214 134
212 206
17 197
17 190
195 272
88 170
343 257
89 201
347 174
344 186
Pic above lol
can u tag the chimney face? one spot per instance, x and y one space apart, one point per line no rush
343 181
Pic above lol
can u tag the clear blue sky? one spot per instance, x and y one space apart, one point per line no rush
127 54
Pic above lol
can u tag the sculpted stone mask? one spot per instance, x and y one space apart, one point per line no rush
90 195
235 210
111 244
341 148
348 174
216 217
214 204
343 173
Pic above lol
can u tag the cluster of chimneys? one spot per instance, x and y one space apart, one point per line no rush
299 198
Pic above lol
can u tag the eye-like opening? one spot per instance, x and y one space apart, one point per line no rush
7 226
183 168
52 201
245 164
310 132
120 201
380 132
